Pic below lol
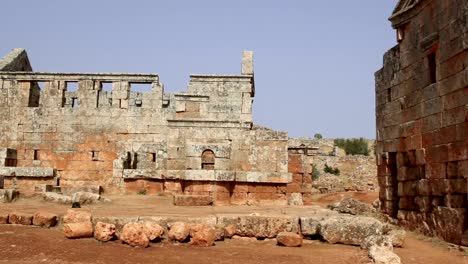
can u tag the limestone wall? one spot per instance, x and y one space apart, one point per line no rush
131 141
422 108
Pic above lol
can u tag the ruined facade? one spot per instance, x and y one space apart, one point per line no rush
422 111
201 141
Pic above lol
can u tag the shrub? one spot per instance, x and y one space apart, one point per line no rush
353 146
331 170
318 136
315 173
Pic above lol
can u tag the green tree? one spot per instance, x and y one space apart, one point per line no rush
331 170
353 146
315 173
318 136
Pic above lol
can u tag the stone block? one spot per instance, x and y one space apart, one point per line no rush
192 200
18 218
44 219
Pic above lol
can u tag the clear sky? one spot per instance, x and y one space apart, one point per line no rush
314 60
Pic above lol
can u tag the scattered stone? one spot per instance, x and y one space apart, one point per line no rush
3 218
230 230
56 197
289 239
219 232
20 218
261 226
85 197
352 206
382 255
78 230
398 237
8 195
153 231
104 231
44 219
349 230
134 234
179 231
202 235
76 216
377 240
295 199
192 200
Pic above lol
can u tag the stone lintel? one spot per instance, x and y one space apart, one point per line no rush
56 76
38 172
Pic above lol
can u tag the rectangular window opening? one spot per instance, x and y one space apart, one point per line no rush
431 59
140 87
94 155
152 157
389 95
71 86
106 86
36 154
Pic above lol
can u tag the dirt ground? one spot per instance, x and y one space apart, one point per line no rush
27 244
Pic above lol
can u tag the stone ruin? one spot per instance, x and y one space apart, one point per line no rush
94 132
422 114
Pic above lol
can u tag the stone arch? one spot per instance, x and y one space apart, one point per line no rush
208 160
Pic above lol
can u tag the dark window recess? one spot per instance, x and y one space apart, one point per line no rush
389 95
431 59
36 154
138 102
95 155
151 157
208 160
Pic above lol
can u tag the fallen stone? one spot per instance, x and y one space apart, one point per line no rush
56 198
44 219
8 195
219 232
378 240
382 255
85 197
398 237
78 230
261 226
230 230
3 218
17 218
179 231
202 235
352 206
119 222
96 189
349 230
295 199
104 231
289 239
134 234
192 200
153 231
76 216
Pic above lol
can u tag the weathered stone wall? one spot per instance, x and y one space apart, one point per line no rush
422 112
152 142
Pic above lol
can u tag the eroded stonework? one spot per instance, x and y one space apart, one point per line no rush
422 118
201 141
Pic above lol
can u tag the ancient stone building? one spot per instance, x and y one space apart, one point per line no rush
422 112
74 131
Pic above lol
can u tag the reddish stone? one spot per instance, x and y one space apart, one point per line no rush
179 231
78 230
153 231
134 234
3 218
104 231
202 235
44 219
230 230
18 218
289 239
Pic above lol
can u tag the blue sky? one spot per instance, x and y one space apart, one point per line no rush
314 60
